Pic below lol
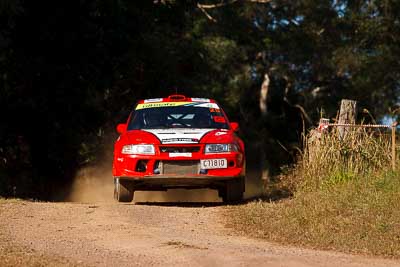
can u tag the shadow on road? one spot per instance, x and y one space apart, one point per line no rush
182 204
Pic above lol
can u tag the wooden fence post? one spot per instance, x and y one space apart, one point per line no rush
347 115
394 146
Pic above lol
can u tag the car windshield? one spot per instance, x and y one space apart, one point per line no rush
189 115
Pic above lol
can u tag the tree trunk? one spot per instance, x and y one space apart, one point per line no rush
264 95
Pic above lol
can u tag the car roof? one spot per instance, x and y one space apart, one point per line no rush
176 98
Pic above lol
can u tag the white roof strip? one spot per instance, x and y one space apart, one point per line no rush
196 99
152 100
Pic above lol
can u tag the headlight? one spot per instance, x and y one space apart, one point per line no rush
138 149
220 148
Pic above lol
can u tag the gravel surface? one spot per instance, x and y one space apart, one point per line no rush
107 234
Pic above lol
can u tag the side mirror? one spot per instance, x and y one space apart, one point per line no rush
121 128
234 126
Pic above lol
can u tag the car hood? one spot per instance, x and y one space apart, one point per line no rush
138 137
178 136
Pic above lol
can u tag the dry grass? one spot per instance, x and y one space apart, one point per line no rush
330 158
10 200
346 199
358 216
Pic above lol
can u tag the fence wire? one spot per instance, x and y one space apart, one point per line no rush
324 125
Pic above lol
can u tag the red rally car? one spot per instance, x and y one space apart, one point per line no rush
178 142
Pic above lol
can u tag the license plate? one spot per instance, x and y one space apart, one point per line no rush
213 164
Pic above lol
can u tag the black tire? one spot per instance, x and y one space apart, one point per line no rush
123 191
233 190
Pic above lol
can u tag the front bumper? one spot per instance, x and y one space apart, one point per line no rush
158 165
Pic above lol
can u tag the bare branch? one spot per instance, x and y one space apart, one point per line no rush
259 1
216 5
203 7
206 13
222 4
304 114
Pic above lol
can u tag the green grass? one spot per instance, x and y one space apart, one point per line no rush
330 158
344 202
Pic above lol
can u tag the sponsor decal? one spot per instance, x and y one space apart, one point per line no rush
220 133
160 105
180 140
176 104
208 105
188 136
174 155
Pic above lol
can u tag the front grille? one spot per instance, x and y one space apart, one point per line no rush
180 167
179 149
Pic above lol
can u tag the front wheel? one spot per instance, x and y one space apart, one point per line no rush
123 191
233 190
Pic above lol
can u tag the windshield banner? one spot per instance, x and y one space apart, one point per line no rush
175 104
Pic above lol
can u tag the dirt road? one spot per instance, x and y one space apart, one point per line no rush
111 234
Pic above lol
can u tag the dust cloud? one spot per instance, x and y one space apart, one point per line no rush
255 185
95 184
92 184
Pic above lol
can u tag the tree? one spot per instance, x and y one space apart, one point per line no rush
69 72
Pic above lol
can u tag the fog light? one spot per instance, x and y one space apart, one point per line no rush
202 171
141 166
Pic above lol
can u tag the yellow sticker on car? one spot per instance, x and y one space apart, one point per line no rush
161 105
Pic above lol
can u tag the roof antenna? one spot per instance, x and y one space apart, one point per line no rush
176 90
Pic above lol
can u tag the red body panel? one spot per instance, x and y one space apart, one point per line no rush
124 165
136 167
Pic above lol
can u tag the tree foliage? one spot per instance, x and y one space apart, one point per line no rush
71 70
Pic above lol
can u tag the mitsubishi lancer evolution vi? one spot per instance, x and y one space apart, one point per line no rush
178 142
